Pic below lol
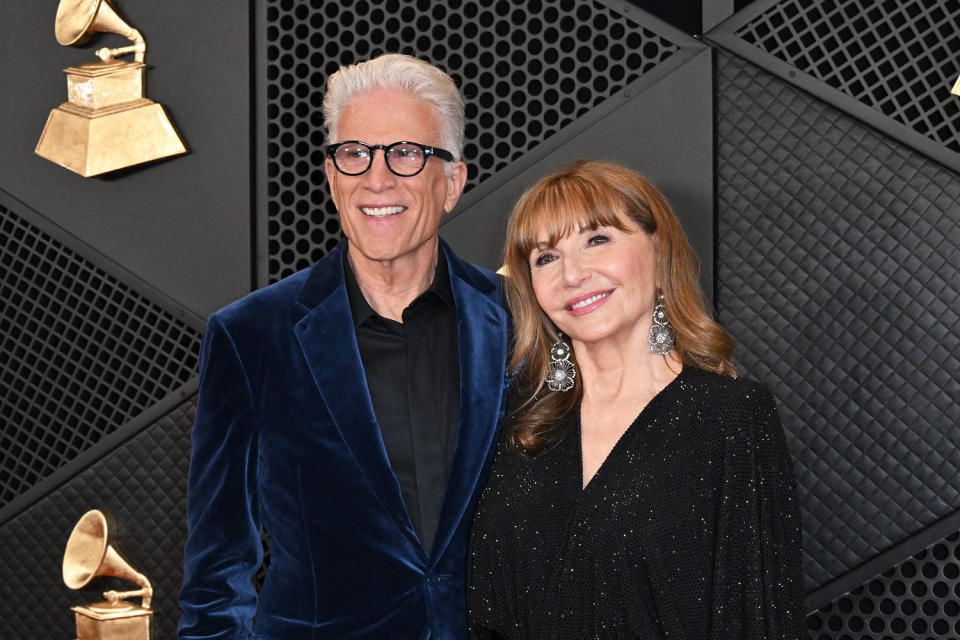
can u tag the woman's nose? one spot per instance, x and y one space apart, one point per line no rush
575 272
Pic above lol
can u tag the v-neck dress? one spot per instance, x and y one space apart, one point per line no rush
689 529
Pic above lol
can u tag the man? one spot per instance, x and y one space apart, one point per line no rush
350 409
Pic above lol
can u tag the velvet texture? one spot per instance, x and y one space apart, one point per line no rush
285 439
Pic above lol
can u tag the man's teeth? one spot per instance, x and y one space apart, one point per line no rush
379 212
589 300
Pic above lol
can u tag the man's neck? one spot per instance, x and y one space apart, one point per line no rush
389 286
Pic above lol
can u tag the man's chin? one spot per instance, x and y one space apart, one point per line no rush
388 251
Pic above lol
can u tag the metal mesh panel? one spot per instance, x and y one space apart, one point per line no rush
80 354
897 57
144 484
920 597
838 265
525 69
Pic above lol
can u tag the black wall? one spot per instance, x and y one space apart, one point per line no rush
182 225
810 150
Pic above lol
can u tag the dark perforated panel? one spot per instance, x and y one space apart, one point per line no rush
526 69
143 483
900 58
918 598
839 276
80 354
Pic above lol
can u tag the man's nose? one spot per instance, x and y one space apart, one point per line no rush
379 174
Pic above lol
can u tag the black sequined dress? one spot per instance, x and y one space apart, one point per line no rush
689 530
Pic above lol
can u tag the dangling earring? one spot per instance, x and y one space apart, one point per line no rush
562 372
661 333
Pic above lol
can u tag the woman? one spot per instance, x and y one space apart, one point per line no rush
641 490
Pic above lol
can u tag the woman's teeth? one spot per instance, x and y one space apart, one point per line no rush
589 300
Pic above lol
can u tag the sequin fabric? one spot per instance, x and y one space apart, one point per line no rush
689 530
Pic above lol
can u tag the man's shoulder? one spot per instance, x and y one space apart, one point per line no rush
480 278
287 298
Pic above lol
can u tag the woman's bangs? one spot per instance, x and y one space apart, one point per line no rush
562 210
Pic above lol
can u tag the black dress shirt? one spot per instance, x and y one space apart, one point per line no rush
412 372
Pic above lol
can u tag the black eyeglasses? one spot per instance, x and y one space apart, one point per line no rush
405 159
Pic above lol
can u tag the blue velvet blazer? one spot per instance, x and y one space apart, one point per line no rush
285 439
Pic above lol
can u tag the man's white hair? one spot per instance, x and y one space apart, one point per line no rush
401 73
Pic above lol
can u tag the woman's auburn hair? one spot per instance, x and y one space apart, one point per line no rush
587 195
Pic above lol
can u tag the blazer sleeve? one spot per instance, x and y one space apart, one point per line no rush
223 549
758 578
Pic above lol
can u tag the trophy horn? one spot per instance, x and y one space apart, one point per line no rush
78 20
92 552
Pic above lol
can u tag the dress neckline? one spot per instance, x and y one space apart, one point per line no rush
656 399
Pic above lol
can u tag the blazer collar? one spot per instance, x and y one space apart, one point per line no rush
329 344
482 345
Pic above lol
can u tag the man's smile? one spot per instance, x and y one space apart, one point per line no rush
380 212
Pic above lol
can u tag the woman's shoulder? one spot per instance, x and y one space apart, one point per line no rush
734 399
709 382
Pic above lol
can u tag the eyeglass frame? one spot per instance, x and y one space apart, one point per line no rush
428 151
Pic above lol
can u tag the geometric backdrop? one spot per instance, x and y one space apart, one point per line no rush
142 483
839 276
890 57
525 69
82 354
835 232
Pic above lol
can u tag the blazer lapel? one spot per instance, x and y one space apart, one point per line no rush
329 344
482 343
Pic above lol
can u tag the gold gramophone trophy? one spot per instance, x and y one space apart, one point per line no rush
91 552
107 123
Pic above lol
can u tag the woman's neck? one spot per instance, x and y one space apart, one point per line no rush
624 369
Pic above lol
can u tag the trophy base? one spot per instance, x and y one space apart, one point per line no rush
95 141
103 621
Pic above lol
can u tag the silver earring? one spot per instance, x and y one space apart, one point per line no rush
562 372
661 333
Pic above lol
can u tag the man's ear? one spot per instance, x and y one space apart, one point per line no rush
456 180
